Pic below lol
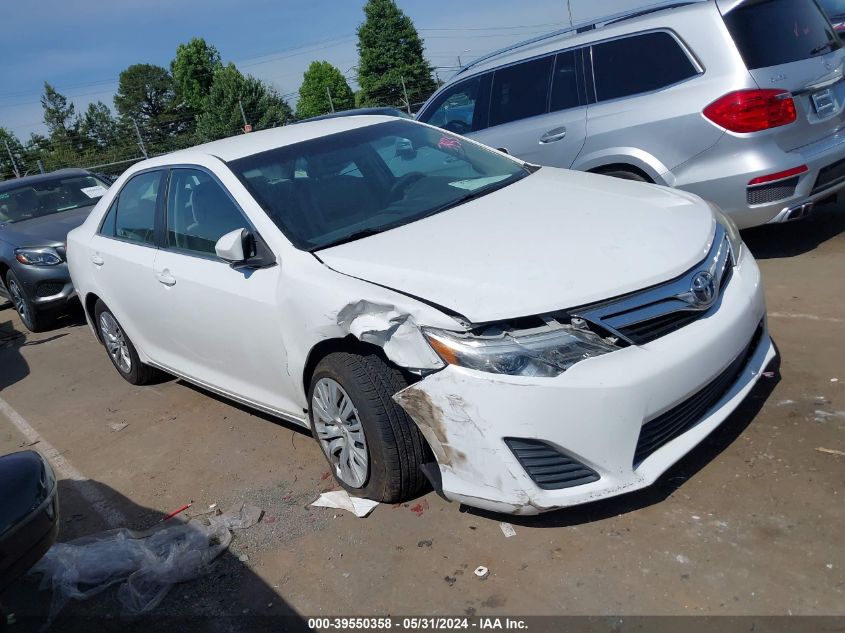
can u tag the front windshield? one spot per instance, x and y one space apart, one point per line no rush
46 197
349 185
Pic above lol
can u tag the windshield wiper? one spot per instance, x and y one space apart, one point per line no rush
822 47
357 235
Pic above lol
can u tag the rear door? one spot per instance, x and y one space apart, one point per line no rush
122 254
791 45
538 109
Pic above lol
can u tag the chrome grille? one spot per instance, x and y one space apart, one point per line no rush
645 316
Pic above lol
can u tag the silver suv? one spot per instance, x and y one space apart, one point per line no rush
738 101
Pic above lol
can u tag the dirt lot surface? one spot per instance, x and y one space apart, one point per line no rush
749 523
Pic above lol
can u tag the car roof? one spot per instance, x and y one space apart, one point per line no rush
242 145
14 183
386 111
647 15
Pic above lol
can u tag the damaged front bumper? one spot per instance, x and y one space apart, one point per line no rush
594 414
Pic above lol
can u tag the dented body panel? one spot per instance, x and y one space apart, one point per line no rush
593 412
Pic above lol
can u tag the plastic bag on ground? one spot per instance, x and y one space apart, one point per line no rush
148 563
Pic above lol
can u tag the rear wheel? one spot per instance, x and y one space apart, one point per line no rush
373 448
33 319
120 349
624 174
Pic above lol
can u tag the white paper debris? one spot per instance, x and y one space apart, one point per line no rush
834 380
481 572
341 500
783 403
507 530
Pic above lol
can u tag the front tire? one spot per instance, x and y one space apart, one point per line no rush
120 349
374 449
32 318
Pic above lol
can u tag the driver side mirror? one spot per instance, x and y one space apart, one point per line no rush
244 249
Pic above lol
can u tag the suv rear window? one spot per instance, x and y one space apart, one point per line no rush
774 32
638 64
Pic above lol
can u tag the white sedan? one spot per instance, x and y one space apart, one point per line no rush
521 338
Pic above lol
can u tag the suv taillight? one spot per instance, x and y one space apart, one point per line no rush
752 110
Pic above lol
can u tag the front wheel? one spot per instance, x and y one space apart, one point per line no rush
120 349
33 319
373 448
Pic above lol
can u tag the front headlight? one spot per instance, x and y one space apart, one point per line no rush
730 227
38 256
547 353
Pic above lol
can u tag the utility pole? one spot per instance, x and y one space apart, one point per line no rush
140 140
405 92
41 166
329 94
12 158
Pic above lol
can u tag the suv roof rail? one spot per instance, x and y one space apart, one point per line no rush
587 25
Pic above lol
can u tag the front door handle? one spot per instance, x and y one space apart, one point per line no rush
166 278
553 135
97 260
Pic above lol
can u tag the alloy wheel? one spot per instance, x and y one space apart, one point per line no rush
338 428
115 342
19 301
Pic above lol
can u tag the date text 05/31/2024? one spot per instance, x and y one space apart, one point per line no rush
416 623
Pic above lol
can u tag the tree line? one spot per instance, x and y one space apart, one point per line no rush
200 98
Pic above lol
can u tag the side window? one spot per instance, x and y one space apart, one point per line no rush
199 212
136 208
567 87
520 91
459 109
638 64
107 227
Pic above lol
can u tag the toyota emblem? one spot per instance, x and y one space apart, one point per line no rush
703 289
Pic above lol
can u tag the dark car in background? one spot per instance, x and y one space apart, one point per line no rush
29 515
836 12
36 213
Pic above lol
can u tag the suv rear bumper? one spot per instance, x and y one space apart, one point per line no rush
723 173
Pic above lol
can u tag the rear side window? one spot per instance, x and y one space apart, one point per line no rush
135 213
520 91
567 87
461 108
638 64
774 32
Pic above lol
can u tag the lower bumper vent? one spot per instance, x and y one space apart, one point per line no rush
772 192
676 421
49 288
548 467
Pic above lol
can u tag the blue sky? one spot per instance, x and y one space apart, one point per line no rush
80 46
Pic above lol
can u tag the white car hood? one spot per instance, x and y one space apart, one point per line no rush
554 240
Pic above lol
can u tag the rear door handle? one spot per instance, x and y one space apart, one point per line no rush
553 135
97 260
166 278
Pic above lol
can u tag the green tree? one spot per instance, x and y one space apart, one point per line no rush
320 80
231 90
390 50
99 126
193 70
146 95
7 169
58 113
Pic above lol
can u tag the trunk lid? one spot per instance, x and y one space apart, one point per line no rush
791 45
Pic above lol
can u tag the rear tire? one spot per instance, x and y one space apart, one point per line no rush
624 174
394 447
120 349
32 318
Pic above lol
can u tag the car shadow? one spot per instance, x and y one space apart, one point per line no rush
673 479
269 417
229 596
796 238
13 366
